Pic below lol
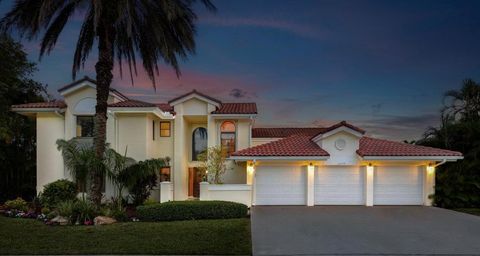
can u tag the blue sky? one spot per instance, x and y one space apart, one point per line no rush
381 65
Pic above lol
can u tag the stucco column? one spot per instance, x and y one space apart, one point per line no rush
310 184
369 180
204 193
211 127
250 172
50 167
180 172
165 191
428 184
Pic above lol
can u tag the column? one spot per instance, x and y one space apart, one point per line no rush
428 184
165 191
204 193
310 184
370 173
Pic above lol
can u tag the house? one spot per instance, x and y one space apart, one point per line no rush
337 165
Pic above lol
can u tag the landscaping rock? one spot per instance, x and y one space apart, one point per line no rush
60 220
103 220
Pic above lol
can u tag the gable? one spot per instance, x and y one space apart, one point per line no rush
342 147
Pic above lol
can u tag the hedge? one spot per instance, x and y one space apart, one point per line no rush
191 210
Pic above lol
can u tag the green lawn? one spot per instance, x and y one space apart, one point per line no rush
26 236
474 211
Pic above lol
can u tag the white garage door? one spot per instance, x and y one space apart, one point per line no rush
280 185
339 185
398 185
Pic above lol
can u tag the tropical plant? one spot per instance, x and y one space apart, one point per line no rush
58 191
457 184
84 211
155 30
17 204
17 132
213 163
65 209
80 160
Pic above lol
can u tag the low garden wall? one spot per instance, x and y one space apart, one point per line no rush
240 193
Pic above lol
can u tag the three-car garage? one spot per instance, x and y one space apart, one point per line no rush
338 185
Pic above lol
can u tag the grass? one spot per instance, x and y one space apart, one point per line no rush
27 236
473 211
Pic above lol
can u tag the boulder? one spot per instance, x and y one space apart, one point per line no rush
60 220
103 220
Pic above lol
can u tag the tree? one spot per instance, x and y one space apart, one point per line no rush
17 133
213 163
122 29
122 171
458 183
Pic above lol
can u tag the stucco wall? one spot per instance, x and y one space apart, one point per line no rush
50 128
132 135
346 156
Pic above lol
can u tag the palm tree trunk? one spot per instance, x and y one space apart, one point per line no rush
104 68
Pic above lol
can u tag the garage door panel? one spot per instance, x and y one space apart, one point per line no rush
339 185
280 185
398 185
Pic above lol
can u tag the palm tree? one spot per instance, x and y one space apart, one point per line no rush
161 30
463 103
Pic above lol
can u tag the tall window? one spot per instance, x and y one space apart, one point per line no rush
199 142
227 138
153 129
84 126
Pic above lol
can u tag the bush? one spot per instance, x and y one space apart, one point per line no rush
114 212
17 204
65 209
191 210
57 192
84 211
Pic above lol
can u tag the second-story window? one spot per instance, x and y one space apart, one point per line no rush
227 138
85 125
153 129
199 142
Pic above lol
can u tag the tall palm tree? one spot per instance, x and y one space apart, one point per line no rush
161 30
463 103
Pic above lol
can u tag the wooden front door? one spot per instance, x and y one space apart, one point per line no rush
194 179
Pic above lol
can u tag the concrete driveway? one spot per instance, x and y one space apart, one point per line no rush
343 230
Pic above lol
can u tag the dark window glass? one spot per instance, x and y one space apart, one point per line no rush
85 126
153 130
199 142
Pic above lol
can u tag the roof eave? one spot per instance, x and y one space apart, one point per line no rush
278 158
409 158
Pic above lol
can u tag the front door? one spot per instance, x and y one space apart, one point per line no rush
194 179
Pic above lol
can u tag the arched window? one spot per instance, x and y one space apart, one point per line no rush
227 137
199 142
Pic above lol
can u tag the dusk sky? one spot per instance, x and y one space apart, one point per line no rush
381 65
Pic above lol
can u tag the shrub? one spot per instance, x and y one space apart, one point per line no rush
84 211
17 204
114 212
191 210
65 209
58 191
140 191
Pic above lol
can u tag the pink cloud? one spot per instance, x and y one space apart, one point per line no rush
294 28
169 86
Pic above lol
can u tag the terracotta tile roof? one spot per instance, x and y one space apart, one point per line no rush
295 145
379 147
165 107
131 104
236 108
284 132
343 123
194 92
49 104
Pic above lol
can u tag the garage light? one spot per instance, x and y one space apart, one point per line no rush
430 169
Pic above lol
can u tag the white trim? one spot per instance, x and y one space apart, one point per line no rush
38 110
89 84
153 110
280 158
407 158
335 131
230 187
234 116
194 95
